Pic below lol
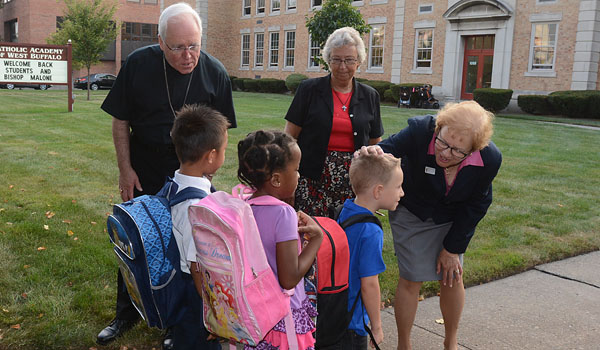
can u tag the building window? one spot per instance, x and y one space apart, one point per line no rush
424 44
290 44
260 6
259 47
544 2
245 50
423 9
290 5
314 51
246 7
543 46
131 31
376 40
274 50
11 31
315 3
275 5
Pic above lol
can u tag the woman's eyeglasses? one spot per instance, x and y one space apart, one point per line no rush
348 61
443 145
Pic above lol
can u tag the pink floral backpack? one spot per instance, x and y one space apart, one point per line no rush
242 296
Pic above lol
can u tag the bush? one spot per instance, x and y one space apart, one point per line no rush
293 80
233 80
271 85
251 85
379 85
494 100
576 104
361 80
388 96
535 104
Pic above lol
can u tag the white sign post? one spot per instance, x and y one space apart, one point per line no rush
32 63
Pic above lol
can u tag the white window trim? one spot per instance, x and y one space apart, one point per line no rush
547 2
378 2
290 10
358 3
269 67
242 34
310 68
262 66
285 51
424 13
275 12
244 7
422 70
261 14
545 73
371 69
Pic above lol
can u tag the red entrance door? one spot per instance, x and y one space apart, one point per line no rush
477 67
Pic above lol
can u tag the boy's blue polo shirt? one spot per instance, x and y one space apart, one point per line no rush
365 241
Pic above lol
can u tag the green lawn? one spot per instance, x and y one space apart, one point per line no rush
59 180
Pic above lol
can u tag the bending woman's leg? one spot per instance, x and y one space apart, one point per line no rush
452 301
405 310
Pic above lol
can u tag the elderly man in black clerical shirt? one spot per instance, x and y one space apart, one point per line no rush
154 83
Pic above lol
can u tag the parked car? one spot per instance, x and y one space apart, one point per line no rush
97 81
25 85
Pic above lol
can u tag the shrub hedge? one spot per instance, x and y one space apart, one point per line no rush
535 104
388 96
379 85
232 79
251 85
293 80
494 100
577 103
271 85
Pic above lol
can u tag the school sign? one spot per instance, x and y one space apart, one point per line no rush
32 63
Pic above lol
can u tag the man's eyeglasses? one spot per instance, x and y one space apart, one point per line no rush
348 61
180 49
443 145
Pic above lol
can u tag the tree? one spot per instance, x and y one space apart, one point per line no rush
333 15
90 26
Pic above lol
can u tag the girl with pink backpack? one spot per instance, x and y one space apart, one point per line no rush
268 163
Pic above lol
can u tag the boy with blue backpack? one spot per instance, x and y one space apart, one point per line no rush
200 138
377 182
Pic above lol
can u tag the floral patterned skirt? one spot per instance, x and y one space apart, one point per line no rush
276 339
321 197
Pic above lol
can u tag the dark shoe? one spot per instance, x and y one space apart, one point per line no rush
115 329
168 340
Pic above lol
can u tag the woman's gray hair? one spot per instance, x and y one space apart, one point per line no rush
174 11
345 36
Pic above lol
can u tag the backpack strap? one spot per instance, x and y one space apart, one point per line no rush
185 194
355 219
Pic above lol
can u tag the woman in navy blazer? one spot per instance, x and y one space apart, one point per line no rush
449 163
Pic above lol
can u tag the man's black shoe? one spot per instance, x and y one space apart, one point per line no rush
115 329
168 340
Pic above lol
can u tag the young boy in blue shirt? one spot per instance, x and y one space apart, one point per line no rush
377 183
199 134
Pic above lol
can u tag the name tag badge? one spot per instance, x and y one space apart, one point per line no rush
429 170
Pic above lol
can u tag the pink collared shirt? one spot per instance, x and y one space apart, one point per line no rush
473 159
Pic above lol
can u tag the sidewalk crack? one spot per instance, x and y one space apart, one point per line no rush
439 335
566 278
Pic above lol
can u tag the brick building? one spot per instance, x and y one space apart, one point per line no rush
530 46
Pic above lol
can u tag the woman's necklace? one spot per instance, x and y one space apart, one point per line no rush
167 84
450 174
344 108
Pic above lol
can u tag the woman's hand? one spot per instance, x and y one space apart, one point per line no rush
308 227
364 150
449 265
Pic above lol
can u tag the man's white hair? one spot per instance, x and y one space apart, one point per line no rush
174 11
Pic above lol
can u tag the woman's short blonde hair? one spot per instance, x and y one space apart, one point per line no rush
342 37
467 117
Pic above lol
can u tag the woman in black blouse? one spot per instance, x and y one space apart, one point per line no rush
331 117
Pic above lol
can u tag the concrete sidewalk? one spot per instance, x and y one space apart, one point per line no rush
553 306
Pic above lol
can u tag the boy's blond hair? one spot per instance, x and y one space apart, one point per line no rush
370 170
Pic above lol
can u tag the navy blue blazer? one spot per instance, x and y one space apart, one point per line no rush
312 109
425 194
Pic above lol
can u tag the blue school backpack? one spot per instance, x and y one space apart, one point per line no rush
141 231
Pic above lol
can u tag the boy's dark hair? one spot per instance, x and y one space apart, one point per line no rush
197 129
369 170
261 153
